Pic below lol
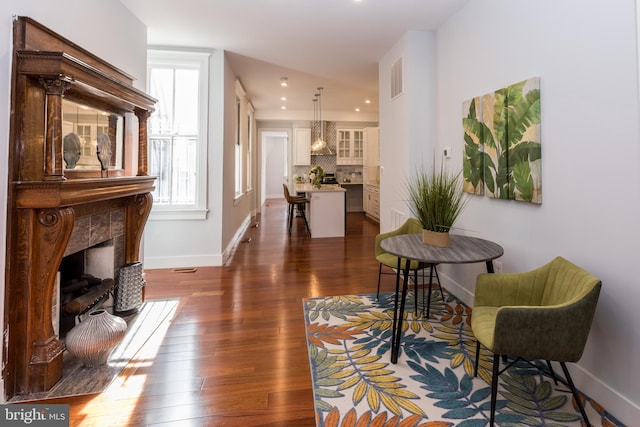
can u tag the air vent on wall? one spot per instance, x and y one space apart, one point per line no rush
396 78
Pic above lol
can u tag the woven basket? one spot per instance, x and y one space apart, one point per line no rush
435 238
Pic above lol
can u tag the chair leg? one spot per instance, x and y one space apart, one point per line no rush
576 396
431 267
288 212
290 218
306 223
424 292
395 314
553 374
475 372
435 270
494 388
379 275
415 289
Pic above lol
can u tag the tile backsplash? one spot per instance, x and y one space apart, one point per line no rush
328 162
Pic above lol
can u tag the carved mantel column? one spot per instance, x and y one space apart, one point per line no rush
137 213
112 131
143 116
45 234
54 89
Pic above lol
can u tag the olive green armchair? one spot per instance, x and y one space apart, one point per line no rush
543 314
410 226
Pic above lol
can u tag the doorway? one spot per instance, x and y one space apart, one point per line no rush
274 162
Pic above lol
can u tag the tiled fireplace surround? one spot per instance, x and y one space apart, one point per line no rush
97 223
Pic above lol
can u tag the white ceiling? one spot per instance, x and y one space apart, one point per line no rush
335 44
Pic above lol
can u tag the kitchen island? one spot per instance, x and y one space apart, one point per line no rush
327 213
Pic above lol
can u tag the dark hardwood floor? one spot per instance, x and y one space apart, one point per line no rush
236 354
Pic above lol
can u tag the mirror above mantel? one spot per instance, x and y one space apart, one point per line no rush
92 139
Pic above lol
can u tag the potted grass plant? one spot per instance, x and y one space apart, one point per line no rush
436 200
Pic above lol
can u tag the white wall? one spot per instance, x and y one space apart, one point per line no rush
208 242
408 122
189 243
585 53
236 213
86 24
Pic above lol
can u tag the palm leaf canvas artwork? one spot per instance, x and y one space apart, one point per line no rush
473 147
502 154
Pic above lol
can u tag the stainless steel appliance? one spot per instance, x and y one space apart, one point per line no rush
329 178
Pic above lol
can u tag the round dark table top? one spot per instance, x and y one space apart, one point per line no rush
461 249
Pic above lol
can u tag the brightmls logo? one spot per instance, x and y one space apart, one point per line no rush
34 415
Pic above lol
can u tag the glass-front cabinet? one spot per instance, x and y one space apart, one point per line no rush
350 147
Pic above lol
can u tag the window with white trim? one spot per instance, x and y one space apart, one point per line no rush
238 151
178 132
250 148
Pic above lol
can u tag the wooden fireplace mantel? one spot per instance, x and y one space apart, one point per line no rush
45 199
55 194
84 79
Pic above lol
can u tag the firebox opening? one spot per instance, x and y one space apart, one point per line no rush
86 282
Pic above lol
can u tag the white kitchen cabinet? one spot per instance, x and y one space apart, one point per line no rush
350 147
371 174
302 146
371 202
372 147
371 169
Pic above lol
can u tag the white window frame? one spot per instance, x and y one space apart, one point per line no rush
250 147
158 58
237 151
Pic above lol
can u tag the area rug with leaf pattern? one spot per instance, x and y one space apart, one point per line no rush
355 383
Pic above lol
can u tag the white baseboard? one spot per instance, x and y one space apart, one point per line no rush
183 261
613 402
236 239
186 261
3 398
456 289
617 405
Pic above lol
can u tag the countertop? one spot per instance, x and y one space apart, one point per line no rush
308 188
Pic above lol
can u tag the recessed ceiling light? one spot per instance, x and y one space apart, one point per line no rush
357 108
284 98
367 101
284 82
283 108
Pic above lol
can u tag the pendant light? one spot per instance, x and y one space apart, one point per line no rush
319 146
